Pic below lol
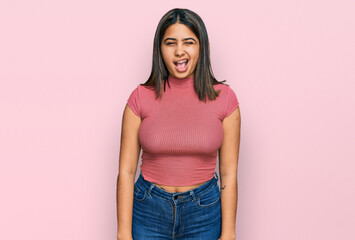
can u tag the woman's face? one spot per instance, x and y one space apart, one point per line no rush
180 43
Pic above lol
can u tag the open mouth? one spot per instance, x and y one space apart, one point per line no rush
181 66
181 63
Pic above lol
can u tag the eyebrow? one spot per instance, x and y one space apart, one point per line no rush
185 39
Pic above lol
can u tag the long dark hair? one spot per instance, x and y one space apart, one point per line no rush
203 74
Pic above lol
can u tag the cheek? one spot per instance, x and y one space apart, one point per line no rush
166 55
196 57
195 54
165 59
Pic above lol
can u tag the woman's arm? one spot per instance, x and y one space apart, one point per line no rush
128 161
228 165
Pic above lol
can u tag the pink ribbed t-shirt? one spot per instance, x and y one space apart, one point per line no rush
179 134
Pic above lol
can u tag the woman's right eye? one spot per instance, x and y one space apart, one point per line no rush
169 43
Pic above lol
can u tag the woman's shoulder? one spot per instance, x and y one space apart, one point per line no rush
228 97
140 89
143 88
223 87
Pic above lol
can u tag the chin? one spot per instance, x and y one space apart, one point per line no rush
182 75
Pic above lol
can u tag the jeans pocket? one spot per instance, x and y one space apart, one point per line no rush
139 193
210 197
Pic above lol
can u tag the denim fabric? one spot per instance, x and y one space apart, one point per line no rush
190 215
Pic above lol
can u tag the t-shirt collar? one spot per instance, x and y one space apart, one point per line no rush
181 82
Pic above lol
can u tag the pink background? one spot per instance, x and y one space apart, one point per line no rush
68 67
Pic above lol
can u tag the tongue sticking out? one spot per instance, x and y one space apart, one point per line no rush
181 67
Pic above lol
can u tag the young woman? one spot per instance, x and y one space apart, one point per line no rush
181 117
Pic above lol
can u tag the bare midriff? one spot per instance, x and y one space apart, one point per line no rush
175 189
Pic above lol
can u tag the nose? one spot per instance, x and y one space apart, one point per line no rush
179 50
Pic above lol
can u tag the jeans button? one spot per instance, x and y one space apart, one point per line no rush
175 197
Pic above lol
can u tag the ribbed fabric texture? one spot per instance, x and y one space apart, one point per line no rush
179 134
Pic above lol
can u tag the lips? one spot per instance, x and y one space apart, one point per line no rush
181 61
181 66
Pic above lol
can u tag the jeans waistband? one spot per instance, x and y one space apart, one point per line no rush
194 193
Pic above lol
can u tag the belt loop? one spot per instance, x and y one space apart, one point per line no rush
149 190
193 195
216 175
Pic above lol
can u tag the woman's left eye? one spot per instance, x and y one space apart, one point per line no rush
189 42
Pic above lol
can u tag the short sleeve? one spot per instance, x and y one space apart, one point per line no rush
231 102
134 102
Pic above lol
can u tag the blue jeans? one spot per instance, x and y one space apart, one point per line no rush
193 215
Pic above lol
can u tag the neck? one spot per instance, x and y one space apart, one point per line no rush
181 82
